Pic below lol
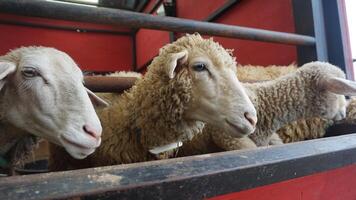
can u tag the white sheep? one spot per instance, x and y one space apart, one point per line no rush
42 94
316 89
190 82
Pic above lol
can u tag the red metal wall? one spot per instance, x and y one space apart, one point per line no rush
109 52
330 185
197 9
148 42
275 15
92 51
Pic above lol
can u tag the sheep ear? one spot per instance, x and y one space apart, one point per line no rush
96 101
6 68
339 86
177 60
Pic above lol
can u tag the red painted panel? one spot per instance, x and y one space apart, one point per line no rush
275 15
197 9
148 42
92 51
338 184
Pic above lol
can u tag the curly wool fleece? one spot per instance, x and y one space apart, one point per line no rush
151 113
294 96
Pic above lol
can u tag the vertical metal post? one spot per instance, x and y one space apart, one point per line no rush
338 46
326 21
319 30
134 53
303 20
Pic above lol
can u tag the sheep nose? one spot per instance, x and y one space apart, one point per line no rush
92 131
251 118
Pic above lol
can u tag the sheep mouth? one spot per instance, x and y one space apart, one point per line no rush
76 144
238 130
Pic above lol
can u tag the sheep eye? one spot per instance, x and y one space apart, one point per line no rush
29 72
199 67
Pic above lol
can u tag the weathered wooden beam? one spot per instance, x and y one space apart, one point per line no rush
77 12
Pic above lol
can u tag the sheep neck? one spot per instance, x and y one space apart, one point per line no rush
151 114
284 100
9 136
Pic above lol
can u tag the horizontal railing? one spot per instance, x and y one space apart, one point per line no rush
77 12
196 177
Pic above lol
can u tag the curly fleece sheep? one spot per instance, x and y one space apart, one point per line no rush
306 129
253 73
302 129
310 91
191 81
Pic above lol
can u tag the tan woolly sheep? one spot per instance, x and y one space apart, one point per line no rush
191 81
309 92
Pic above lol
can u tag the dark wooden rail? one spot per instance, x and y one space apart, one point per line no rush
194 177
77 12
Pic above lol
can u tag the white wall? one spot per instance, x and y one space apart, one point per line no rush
351 19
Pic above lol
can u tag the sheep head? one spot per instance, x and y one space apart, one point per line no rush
331 87
42 92
217 96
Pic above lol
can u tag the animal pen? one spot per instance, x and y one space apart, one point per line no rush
315 169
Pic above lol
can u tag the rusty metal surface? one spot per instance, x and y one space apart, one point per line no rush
52 9
108 84
120 84
193 177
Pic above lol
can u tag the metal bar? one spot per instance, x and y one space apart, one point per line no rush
63 28
79 2
141 5
134 52
303 20
195 177
49 9
108 83
340 129
319 30
337 47
220 11
171 10
155 6
345 39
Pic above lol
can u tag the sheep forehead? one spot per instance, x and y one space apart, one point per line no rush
196 45
51 61
218 61
325 68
